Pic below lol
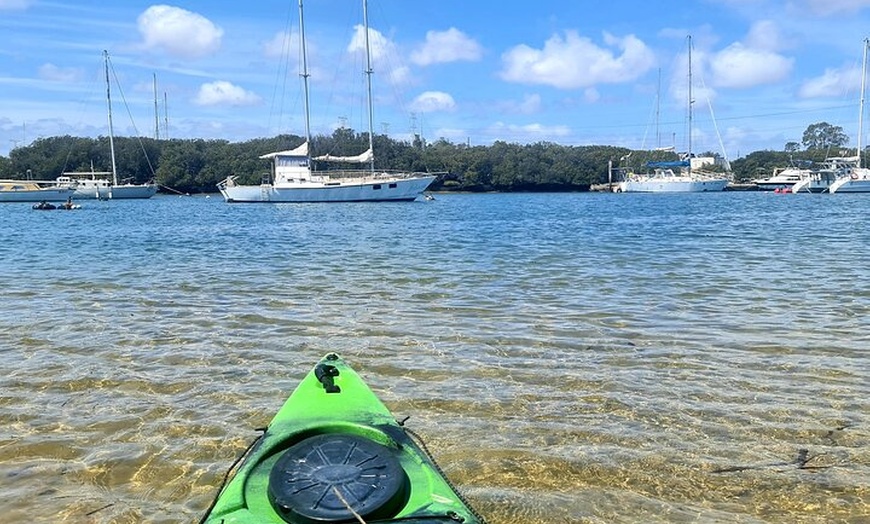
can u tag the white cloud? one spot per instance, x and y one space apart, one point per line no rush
279 45
224 93
752 62
14 4
53 73
433 101
833 82
530 104
380 45
385 55
529 131
591 95
179 32
573 61
447 46
765 34
738 66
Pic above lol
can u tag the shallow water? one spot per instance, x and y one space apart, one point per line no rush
568 358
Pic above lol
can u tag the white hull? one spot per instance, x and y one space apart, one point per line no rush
676 184
819 182
857 183
337 190
125 191
785 179
24 191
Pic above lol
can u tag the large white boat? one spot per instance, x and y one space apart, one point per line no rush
821 180
684 176
105 185
782 179
33 191
293 178
663 179
857 179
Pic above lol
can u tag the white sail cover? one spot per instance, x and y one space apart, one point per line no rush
358 159
299 151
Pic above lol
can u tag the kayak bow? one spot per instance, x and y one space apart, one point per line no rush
334 453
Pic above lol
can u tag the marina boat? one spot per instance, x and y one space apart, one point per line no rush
335 453
33 191
294 179
105 185
782 179
663 179
857 179
821 180
684 176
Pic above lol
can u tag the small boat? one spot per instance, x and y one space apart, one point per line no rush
335 453
44 206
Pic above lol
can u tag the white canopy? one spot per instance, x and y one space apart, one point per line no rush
358 159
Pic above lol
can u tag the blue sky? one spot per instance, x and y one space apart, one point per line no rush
571 72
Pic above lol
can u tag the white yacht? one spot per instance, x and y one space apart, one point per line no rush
293 178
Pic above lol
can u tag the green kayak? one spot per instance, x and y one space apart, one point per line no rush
334 453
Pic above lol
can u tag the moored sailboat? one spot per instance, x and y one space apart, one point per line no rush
293 178
97 184
683 176
857 178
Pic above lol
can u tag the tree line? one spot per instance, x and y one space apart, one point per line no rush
197 165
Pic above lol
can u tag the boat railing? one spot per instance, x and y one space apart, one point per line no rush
380 174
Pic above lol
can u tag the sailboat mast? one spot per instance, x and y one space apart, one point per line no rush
689 39
111 130
156 111
369 81
304 74
861 105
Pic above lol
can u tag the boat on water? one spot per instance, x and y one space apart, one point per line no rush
820 180
335 453
782 179
104 185
857 179
48 206
294 179
686 175
664 179
33 191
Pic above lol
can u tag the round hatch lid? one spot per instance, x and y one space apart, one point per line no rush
304 481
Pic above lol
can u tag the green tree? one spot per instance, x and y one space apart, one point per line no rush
824 136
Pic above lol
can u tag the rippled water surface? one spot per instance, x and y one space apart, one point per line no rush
568 358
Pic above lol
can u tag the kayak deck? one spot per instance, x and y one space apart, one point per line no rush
334 453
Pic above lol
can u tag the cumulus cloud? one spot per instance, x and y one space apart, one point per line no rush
573 61
385 55
447 46
381 46
179 32
53 73
433 101
224 93
739 66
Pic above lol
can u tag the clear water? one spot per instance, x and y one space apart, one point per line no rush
569 358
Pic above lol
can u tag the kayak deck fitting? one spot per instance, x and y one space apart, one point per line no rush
334 453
